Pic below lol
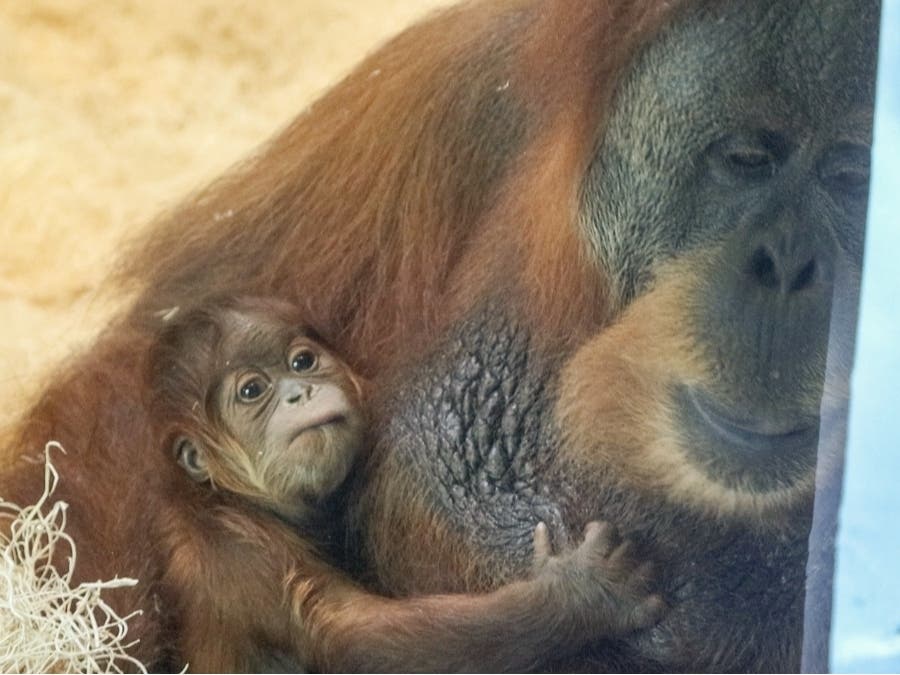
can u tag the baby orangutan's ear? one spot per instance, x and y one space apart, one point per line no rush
192 458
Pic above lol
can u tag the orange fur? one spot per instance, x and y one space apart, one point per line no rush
443 171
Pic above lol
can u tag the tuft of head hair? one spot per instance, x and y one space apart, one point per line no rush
186 355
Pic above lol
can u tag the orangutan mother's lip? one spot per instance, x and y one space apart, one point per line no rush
758 435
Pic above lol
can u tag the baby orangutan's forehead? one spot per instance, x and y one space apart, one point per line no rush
256 340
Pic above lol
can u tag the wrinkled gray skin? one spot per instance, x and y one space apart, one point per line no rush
742 131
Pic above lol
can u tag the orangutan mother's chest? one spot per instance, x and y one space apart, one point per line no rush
475 430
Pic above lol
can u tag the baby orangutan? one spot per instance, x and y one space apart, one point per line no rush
290 413
268 424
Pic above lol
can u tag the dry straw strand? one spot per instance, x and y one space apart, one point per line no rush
46 625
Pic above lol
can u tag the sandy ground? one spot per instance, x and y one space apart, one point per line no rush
112 109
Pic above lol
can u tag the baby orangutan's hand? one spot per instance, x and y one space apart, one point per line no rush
605 590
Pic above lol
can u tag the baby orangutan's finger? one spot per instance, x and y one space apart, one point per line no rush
543 551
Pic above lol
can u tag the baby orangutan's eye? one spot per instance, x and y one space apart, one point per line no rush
251 387
303 360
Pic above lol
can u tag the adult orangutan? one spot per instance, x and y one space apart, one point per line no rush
599 259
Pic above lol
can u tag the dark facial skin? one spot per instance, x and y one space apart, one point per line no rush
762 196
291 410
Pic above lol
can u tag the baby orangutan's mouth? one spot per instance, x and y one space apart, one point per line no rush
323 421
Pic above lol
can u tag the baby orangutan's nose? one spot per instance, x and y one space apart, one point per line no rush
299 393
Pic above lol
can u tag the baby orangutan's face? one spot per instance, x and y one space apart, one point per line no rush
299 408
290 411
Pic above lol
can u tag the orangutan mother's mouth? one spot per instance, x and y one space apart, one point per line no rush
754 435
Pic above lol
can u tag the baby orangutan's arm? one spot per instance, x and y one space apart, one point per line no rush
594 591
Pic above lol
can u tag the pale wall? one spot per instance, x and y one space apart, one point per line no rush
112 109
